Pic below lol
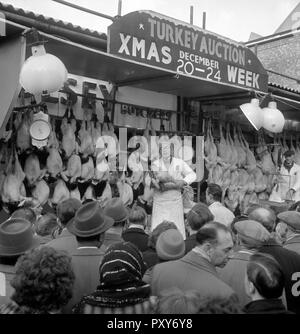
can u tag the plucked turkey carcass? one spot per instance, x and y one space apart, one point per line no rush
224 152
68 143
96 136
216 175
106 196
102 168
13 189
85 136
32 169
210 148
230 143
212 162
73 169
153 142
260 183
41 192
264 155
54 162
226 179
275 151
126 193
75 193
239 148
61 192
88 170
250 163
23 140
251 183
53 141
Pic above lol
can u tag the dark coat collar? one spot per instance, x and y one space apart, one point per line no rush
134 230
274 306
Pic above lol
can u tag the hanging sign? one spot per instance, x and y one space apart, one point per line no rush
160 41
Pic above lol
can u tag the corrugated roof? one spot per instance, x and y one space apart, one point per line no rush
286 88
50 20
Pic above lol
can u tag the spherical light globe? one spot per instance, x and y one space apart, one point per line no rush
42 72
253 113
273 118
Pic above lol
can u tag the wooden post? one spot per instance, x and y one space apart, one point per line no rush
204 21
191 14
120 8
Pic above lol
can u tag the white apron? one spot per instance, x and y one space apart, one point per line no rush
168 205
287 180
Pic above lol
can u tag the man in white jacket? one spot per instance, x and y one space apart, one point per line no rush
288 186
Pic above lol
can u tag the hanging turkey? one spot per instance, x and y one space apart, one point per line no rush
13 189
22 125
73 171
54 162
85 135
32 169
61 192
41 192
68 128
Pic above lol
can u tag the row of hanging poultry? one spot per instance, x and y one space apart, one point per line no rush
72 155
70 158
246 174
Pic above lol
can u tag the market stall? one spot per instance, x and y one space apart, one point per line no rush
155 78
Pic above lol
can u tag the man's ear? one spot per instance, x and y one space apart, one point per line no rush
249 286
207 248
252 287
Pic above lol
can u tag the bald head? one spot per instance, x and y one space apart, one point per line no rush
264 216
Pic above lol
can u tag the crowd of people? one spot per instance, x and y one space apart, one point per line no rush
159 253
86 259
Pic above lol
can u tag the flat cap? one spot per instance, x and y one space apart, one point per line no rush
252 232
291 218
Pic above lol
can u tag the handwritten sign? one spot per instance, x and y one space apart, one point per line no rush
160 41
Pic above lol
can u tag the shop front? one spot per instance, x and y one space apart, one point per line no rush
158 75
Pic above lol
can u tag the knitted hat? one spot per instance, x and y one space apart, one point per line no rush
121 272
122 263
170 245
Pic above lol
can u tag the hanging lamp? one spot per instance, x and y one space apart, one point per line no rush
253 113
42 73
273 119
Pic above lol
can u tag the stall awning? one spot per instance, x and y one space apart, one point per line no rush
213 66
92 63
